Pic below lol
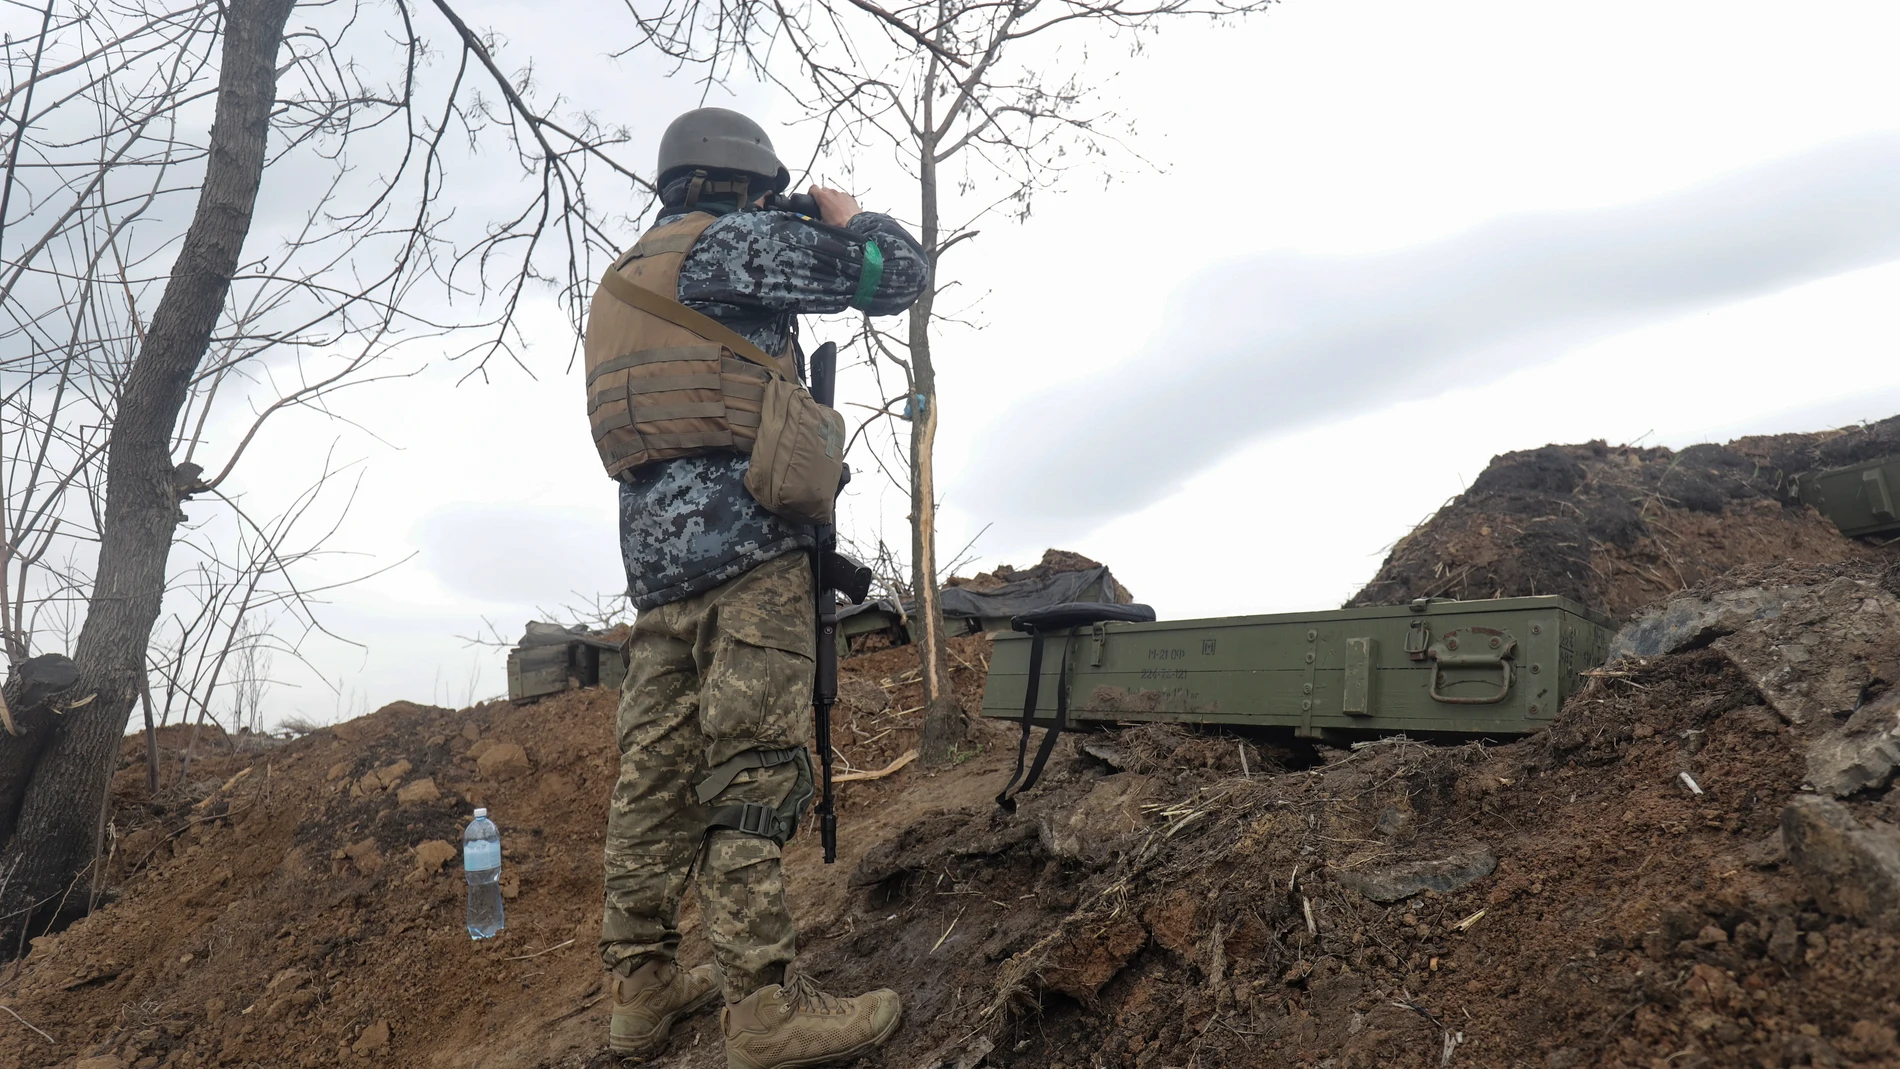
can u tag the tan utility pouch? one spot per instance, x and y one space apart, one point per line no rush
798 456
798 447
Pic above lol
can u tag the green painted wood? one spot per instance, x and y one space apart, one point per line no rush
1863 499
1499 667
538 671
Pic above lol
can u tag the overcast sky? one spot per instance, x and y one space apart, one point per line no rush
1387 241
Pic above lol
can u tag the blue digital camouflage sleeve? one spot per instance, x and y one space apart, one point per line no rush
754 271
688 525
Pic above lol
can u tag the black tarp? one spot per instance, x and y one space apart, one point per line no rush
1025 595
984 610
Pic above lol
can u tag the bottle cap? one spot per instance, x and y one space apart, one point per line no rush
481 812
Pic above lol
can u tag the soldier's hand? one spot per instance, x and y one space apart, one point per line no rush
835 207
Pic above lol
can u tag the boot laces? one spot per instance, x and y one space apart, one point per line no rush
802 994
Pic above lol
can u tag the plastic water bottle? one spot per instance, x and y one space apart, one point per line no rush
481 862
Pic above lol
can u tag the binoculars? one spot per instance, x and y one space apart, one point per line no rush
802 203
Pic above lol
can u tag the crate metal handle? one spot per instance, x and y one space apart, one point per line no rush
1503 646
1504 682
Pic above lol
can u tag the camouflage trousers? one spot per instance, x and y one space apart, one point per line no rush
709 678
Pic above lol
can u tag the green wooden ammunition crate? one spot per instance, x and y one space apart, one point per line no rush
538 671
610 667
1859 499
1499 667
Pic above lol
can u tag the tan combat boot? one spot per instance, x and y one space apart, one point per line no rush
795 1024
648 1002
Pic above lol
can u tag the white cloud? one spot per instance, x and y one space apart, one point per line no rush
1278 342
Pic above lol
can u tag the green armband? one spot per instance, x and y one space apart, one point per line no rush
869 276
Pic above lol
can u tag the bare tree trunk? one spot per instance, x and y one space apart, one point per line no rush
151 737
944 723
56 834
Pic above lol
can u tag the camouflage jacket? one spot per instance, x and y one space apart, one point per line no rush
688 525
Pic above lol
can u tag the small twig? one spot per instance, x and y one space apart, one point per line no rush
947 931
538 953
29 1024
580 1008
852 777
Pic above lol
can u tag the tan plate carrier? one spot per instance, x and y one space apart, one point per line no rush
664 381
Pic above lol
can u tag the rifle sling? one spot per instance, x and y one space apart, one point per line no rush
1006 800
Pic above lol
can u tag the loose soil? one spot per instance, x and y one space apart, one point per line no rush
1150 905
1617 527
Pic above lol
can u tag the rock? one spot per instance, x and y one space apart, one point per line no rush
511 886
102 1062
290 1005
364 855
1712 987
501 762
1851 870
1811 650
1090 828
380 779
373 1039
1862 753
1396 824
338 771
421 792
432 855
480 749
471 732
1692 622
1765 853
1785 942
1447 871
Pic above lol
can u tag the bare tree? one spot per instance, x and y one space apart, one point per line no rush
983 108
315 153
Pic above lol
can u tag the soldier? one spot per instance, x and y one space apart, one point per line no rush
716 709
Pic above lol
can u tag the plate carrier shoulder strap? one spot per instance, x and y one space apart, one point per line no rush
665 381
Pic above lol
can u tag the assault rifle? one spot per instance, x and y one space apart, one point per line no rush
833 573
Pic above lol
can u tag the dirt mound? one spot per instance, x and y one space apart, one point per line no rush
301 905
1797 453
1647 882
1617 527
1053 562
1611 892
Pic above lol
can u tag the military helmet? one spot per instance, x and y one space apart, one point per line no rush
716 139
